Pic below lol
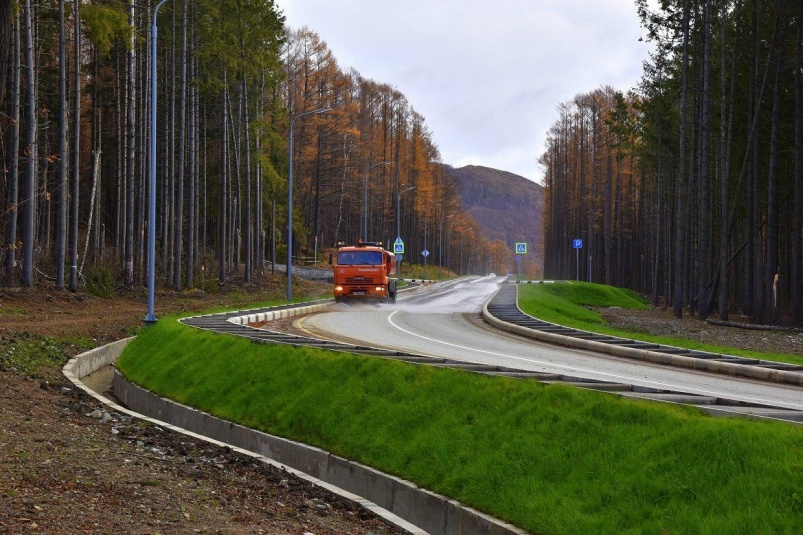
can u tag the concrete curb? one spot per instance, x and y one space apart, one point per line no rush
725 368
278 314
95 359
401 503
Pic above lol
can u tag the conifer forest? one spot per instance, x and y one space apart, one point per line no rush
689 187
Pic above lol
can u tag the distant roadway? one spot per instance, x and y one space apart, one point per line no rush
443 320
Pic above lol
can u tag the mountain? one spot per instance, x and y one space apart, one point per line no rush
507 206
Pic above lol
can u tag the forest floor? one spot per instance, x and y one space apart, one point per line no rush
68 464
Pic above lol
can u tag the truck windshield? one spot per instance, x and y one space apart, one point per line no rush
359 258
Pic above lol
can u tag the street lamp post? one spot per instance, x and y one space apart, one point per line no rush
150 317
290 205
365 199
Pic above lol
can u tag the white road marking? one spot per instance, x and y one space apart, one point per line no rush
618 378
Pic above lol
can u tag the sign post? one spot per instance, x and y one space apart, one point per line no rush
577 243
398 250
521 249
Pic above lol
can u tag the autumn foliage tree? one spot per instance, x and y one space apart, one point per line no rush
75 132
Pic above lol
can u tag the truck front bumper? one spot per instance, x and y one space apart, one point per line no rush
360 292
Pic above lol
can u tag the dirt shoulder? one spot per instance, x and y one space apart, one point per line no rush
70 465
660 322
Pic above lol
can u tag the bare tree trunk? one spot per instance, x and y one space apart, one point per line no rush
97 136
191 181
772 193
119 122
660 231
680 227
76 171
95 180
7 30
205 203
182 149
607 215
249 224
224 166
726 130
61 241
236 197
704 232
259 254
797 251
170 193
10 246
29 149
140 258
130 154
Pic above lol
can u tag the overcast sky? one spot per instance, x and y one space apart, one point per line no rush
486 76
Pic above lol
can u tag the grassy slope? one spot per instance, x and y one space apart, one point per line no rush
567 304
549 459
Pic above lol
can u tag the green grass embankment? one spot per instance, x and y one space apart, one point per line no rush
567 303
550 459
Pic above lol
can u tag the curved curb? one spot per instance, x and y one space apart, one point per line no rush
399 502
270 315
94 359
725 368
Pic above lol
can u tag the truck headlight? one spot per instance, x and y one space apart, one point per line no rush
338 288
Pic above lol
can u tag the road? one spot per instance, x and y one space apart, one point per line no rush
444 320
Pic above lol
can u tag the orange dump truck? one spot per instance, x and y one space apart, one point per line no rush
363 271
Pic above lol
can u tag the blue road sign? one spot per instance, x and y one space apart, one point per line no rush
521 248
577 243
398 246
425 253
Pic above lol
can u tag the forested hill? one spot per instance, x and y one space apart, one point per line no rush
508 207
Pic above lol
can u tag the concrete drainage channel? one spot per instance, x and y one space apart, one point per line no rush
402 503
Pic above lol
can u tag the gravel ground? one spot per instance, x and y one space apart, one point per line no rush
69 466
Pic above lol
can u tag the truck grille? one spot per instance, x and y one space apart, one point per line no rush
359 280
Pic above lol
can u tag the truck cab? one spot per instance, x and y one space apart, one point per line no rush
363 271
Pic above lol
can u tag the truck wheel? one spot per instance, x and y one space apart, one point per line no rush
392 291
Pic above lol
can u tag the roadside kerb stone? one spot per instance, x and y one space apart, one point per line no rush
726 368
277 314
